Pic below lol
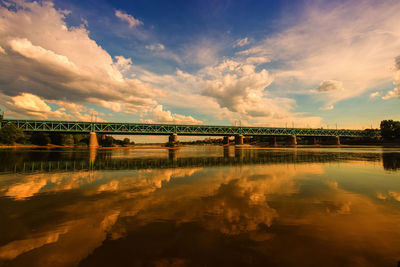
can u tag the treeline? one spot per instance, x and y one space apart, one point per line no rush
10 135
390 130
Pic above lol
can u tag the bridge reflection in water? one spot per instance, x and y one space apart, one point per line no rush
105 160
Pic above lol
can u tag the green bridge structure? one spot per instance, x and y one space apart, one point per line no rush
108 128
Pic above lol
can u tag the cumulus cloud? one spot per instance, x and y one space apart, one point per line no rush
257 60
123 64
2 51
239 88
165 116
373 95
32 106
241 42
329 86
328 107
44 61
329 42
155 47
128 18
230 89
394 93
397 62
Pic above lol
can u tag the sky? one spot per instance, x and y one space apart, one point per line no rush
260 63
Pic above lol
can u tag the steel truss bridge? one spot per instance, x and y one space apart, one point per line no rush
169 129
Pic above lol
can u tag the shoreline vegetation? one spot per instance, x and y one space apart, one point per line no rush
12 137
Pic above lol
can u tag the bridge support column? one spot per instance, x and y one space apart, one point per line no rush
172 155
93 143
225 140
239 140
336 140
173 139
273 141
291 140
92 154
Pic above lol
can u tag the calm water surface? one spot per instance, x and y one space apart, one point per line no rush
200 206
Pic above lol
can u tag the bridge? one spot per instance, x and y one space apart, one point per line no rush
189 130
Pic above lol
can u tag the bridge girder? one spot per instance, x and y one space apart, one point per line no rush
167 129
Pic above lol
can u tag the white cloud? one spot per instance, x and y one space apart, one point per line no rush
241 42
203 51
328 107
164 116
397 63
29 105
239 88
257 60
394 93
2 51
373 95
329 42
123 64
64 64
155 47
230 89
128 18
34 106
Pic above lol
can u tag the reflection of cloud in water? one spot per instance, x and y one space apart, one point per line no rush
389 195
33 184
28 188
235 210
230 200
395 195
36 183
15 248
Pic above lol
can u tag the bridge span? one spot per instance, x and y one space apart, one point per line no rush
173 130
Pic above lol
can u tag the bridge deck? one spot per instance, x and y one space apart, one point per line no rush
167 129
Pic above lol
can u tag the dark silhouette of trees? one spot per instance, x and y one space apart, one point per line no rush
40 139
9 134
61 139
390 130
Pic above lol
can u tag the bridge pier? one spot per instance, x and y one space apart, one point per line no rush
336 140
173 139
93 143
92 154
291 140
225 140
239 139
172 154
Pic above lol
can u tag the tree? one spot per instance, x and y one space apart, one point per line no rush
40 139
107 141
81 139
390 129
126 141
9 134
61 139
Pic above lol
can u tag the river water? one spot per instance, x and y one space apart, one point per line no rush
200 206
